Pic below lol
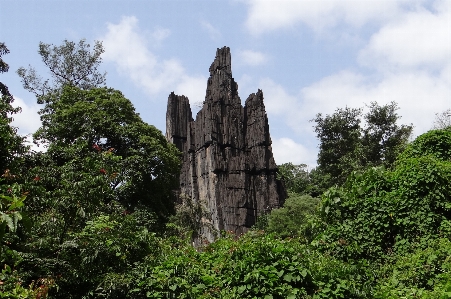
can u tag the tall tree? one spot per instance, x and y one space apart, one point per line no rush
339 137
295 177
11 144
69 64
11 195
382 138
346 146
102 162
104 120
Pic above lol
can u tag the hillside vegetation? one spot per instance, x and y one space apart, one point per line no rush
94 215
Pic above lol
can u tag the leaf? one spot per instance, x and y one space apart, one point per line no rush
8 220
288 277
81 212
16 217
241 289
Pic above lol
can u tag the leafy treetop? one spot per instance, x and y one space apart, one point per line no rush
69 64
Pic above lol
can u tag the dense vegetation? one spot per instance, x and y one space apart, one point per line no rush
93 216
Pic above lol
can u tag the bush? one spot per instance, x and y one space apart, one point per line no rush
291 219
378 211
256 265
424 273
436 143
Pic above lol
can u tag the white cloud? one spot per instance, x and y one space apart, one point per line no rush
194 89
410 56
417 39
287 150
27 121
264 15
214 33
127 47
252 58
160 34
277 101
418 94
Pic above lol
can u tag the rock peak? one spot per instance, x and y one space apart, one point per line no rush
228 165
222 62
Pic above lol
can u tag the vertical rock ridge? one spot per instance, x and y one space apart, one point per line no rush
228 163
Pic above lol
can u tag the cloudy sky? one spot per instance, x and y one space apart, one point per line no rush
308 56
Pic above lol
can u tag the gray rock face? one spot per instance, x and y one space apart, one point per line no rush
228 164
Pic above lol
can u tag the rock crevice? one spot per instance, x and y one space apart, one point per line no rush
228 163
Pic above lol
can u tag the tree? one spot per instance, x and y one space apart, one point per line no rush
382 138
295 177
346 146
102 162
443 120
380 211
11 144
69 64
289 220
105 119
104 169
11 193
339 136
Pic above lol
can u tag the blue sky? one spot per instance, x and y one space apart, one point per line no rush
308 56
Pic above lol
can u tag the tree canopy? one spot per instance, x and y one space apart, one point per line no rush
11 144
71 63
346 146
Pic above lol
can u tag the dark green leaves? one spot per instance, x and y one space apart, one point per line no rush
346 146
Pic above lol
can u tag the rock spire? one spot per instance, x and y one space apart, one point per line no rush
228 165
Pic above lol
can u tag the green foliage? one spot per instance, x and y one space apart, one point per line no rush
345 146
69 64
424 273
106 121
291 219
11 285
103 168
256 265
108 246
63 197
10 209
190 220
295 177
379 211
12 216
382 138
102 190
11 144
436 143
339 136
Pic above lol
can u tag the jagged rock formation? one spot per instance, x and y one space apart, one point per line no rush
227 159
